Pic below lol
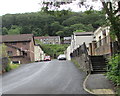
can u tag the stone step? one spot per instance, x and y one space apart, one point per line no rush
97 72
94 64
99 68
99 64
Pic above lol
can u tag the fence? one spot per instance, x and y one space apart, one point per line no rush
80 55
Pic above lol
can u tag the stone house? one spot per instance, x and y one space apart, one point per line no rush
20 48
49 39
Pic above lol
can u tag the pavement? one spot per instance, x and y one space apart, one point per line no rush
98 84
50 77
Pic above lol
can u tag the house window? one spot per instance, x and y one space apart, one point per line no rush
57 42
100 42
10 53
24 43
24 53
15 62
104 32
44 39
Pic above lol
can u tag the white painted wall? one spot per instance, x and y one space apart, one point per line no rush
38 53
76 41
99 33
79 40
67 53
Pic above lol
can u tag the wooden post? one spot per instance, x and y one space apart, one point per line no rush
90 49
93 47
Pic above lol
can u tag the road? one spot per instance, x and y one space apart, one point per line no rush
50 77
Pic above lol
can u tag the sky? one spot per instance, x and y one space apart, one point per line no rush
23 6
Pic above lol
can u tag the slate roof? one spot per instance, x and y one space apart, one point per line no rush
83 33
17 38
46 37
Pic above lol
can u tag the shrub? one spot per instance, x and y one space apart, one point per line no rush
114 69
8 68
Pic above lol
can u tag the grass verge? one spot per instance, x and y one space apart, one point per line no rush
76 63
14 66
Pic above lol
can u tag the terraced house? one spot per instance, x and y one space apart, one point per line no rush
49 39
20 48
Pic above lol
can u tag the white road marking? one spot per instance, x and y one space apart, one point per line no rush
67 84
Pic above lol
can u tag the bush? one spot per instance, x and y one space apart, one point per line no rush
114 69
8 68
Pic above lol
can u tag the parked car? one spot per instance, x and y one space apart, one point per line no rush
47 58
61 57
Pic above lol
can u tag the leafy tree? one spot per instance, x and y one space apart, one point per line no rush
55 26
113 69
71 21
77 27
3 52
37 32
4 31
8 20
112 10
79 31
26 30
60 33
14 30
67 31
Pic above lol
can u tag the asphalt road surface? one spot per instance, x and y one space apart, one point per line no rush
50 77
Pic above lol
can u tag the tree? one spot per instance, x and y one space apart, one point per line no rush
37 32
14 30
3 52
79 31
112 10
72 20
4 31
60 33
55 26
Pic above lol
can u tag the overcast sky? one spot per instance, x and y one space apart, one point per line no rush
22 6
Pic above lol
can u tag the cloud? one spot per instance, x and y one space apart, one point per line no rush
19 6
22 6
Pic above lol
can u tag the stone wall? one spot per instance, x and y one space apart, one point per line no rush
80 55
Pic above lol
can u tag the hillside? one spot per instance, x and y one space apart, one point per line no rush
61 23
